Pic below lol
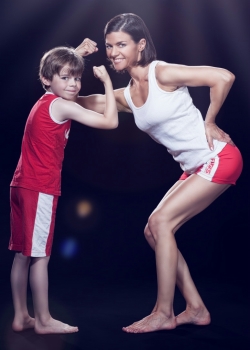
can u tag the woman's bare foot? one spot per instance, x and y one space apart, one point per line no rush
154 322
199 317
22 324
53 327
154 309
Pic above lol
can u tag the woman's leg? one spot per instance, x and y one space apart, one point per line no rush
19 280
44 323
186 200
196 312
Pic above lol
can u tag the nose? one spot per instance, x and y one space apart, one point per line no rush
72 82
114 51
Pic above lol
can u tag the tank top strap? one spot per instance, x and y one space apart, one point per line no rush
152 85
127 96
151 74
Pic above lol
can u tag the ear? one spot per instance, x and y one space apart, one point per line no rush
45 81
142 44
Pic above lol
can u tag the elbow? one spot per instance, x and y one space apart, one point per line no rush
111 121
228 77
111 124
114 125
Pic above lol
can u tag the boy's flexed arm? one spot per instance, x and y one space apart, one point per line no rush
63 109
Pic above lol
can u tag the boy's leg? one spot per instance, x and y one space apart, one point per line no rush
44 323
19 279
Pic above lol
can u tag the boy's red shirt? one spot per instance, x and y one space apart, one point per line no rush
40 163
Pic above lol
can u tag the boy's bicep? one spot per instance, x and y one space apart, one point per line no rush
72 110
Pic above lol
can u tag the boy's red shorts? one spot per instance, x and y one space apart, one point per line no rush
32 221
225 168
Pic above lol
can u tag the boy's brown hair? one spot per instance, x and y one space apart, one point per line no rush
55 59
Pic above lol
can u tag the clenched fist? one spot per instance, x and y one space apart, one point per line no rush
101 73
87 47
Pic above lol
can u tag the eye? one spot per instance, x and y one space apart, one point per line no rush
64 77
78 79
121 45
108 46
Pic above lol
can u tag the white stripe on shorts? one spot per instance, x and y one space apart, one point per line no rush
209 168
42 224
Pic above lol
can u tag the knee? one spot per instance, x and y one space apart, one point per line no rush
159 225
22 259
147 233
155 221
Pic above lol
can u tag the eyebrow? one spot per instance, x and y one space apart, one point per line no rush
118 42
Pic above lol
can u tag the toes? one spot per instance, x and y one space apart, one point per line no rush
71 329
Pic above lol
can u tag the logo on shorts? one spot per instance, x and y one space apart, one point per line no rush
209 166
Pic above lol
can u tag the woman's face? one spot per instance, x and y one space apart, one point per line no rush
122 51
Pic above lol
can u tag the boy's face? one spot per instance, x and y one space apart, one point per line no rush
64 85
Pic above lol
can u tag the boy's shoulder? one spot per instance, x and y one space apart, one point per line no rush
41 108
48 96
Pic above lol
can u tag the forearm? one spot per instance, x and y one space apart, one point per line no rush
110 111
218 94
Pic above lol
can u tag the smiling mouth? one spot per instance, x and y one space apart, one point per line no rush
117 60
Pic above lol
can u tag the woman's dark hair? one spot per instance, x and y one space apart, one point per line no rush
54 60
134 26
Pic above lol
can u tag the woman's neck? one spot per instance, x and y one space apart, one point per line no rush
138 73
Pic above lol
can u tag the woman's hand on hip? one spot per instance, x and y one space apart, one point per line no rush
213 132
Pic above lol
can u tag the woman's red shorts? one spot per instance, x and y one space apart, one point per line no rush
225 168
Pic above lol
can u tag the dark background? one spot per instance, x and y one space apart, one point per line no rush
121 174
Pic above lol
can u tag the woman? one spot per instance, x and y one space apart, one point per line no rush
158 97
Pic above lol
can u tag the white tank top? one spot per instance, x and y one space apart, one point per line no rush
172 120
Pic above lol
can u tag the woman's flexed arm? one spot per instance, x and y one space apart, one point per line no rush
97 102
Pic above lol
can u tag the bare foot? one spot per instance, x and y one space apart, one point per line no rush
154 322
53 327
199 317
23 324
154 309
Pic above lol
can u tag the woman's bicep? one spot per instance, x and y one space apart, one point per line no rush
95 103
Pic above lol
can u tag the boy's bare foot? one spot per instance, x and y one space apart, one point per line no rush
53 327
156 321
23 324
199 317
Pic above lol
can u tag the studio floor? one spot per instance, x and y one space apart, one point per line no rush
100 309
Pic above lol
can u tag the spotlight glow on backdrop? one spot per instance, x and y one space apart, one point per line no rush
69 248
81 214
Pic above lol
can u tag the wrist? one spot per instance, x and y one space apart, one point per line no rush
209 123
108 84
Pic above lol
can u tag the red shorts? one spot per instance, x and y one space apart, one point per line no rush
32 221
225 168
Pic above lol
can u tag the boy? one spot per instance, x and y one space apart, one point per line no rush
36 183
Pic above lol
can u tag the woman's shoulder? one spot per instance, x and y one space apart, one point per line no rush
162 66
168 73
